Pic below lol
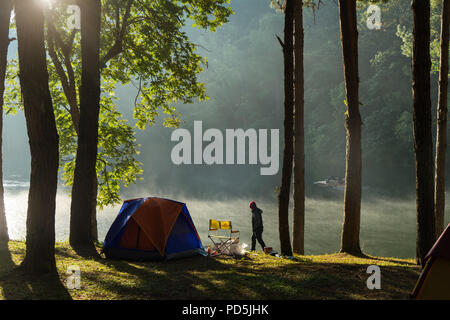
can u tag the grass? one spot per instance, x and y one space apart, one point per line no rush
255 276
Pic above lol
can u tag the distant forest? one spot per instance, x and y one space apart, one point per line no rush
244 83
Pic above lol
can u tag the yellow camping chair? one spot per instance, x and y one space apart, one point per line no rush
222 235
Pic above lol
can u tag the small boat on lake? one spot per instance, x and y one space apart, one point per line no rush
336 183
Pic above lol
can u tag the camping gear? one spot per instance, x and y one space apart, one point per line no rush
268 250
434 281
152 229
238 249
222 236
211 252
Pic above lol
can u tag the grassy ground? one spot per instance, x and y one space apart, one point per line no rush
256 276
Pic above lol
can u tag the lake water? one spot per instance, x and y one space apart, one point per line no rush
388 227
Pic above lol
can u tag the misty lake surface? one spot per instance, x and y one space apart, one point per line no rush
388 227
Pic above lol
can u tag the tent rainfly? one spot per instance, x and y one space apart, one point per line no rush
434 281
152 229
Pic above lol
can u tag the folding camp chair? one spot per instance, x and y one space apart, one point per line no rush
222 236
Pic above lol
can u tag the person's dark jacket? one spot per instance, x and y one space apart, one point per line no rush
257 222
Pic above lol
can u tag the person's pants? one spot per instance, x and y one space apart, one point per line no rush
257 235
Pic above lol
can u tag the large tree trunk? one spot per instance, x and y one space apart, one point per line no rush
423 140
94 228
5 17
352 195
299 138
441 136
43 138
85 172
284 195
69 87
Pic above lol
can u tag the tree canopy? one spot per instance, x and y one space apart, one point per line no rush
144 44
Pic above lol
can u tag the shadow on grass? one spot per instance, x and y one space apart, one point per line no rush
86 251
392 260
215 278
177 279
17 285
6 262
252 277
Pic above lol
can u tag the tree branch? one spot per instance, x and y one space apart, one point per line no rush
280 41
67 80
117 47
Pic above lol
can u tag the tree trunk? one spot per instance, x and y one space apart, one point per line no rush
299 138
353 123
68 84
5 16
284 195
441 136
423 140
43 138
94 228
85 171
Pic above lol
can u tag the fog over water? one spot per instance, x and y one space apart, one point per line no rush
387 226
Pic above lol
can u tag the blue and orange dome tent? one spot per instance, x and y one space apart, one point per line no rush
151 229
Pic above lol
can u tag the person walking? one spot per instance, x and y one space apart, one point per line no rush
257 226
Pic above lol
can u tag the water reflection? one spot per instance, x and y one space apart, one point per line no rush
387 226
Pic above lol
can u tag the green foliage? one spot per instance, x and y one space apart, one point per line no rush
141 41
201 12
279 5
117 165
404 32
158 53
12 94
117 149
